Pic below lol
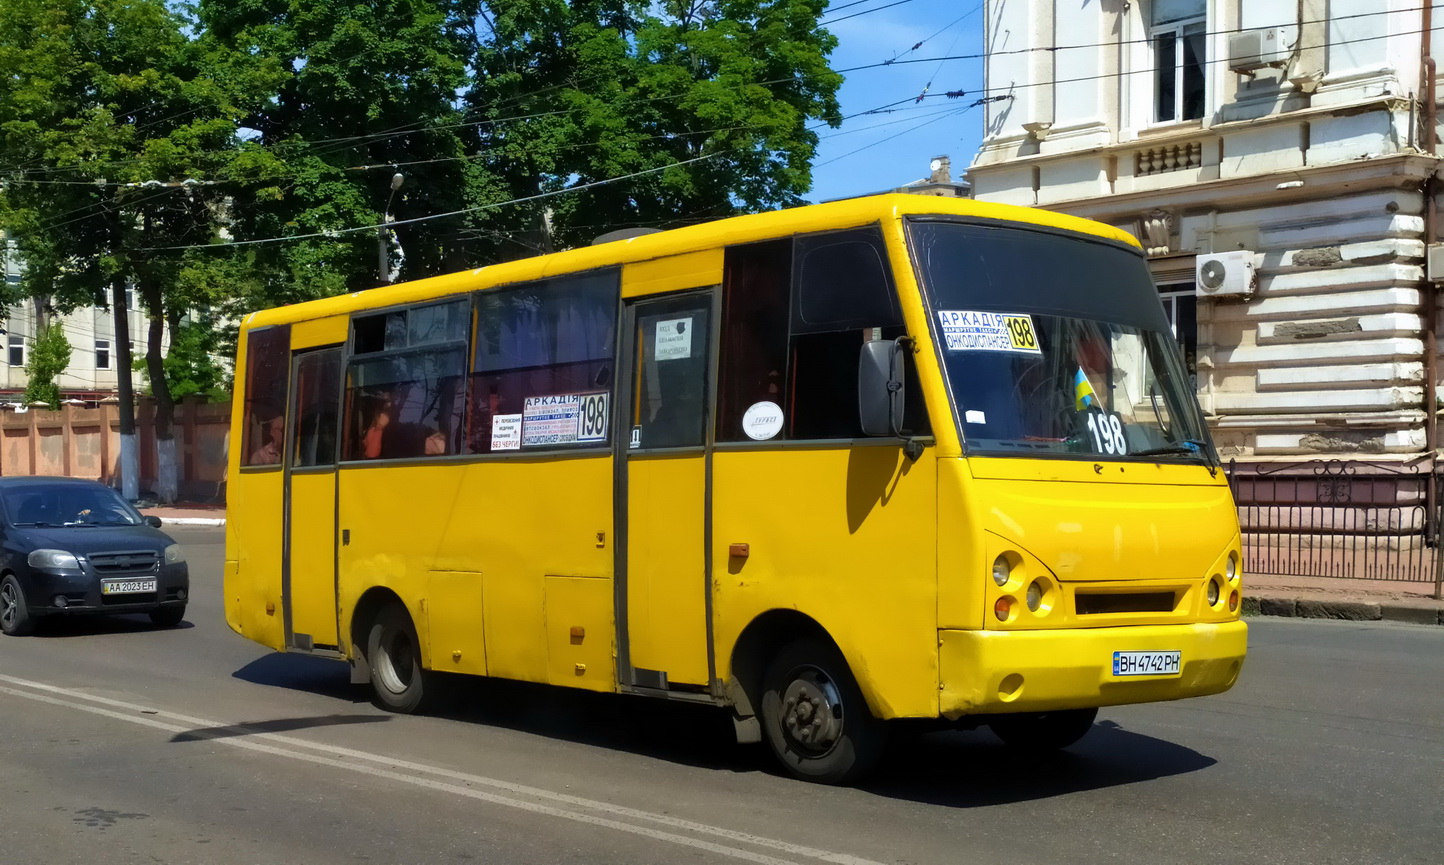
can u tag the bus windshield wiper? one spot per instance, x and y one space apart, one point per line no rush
1190 447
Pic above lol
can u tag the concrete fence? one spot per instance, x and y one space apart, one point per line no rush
85 443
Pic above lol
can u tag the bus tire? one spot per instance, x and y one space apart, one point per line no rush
398 682
814 716
1043 731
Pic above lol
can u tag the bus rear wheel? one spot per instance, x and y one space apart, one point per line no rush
398 682
1043 731
814 716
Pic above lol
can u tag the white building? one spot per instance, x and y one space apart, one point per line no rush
91 375
1285 145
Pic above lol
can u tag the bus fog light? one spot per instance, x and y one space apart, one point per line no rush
1003 608
1035 595
1233 601
1002 571
60 601
1213 592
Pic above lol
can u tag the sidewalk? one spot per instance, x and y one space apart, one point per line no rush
188 514
1341 598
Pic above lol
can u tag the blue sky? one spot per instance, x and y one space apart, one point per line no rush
875 152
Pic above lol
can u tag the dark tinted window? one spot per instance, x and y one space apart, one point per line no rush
842 282
543 364
796 314
268 367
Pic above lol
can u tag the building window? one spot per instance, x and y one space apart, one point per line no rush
1180 304
1177 34
102 354
17 350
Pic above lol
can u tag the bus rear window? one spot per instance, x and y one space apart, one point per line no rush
268 367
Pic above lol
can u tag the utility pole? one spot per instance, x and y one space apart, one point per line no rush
383 232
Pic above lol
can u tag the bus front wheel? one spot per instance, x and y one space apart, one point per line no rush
392 651
1043 731
815 718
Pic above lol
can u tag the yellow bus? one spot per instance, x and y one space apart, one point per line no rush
887 458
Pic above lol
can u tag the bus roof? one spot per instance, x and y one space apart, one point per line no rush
710 235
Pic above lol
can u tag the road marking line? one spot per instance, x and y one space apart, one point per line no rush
221 734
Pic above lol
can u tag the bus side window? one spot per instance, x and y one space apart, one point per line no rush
796 314
404 386
543 364
268 367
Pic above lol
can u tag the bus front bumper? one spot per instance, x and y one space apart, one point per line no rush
989 672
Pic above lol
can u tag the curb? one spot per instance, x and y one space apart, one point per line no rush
1349 611
193 521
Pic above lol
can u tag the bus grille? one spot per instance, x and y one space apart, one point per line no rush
1092 604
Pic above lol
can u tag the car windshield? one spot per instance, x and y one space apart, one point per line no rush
67 505
1055 345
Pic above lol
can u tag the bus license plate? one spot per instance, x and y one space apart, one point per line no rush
1147 663
126 587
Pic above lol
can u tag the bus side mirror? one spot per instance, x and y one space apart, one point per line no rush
880 393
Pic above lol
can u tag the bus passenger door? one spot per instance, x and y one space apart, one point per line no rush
308 588
663 590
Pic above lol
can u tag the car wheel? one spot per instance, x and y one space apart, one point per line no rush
398 682
15 618
814 716
1043 731
168 617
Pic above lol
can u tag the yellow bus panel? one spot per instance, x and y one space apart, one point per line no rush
826 528
579 633
666 566
455 635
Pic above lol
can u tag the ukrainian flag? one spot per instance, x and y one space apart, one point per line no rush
1083 395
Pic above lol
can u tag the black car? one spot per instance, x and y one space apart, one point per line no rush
71 546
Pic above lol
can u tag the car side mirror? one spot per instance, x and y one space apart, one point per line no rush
153 521
881 396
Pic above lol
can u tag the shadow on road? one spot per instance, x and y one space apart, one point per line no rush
325 676
280 725
971 769
62 627
961 769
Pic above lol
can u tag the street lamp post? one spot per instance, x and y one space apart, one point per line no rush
383 233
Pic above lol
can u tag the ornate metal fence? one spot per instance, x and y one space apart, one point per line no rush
1337 518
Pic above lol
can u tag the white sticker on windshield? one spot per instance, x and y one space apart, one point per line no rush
988 331
674 339
972 415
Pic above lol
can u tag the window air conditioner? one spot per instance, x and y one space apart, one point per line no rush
1225 274
1255 49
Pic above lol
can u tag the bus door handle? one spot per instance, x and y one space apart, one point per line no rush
739 551
345 537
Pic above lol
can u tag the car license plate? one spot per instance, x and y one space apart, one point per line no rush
1147 663
126 587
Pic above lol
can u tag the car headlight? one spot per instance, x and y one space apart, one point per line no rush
53 559
173 555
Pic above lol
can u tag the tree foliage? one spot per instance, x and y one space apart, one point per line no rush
49 356
167 146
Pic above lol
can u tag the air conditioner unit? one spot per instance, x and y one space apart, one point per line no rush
1252 50
1225 274
1435 262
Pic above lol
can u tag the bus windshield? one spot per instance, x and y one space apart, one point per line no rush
1055 344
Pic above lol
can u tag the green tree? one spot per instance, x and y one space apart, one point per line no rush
713 99
116 143
191 364
49 357
368 89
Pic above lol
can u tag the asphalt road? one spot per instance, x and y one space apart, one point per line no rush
120 744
